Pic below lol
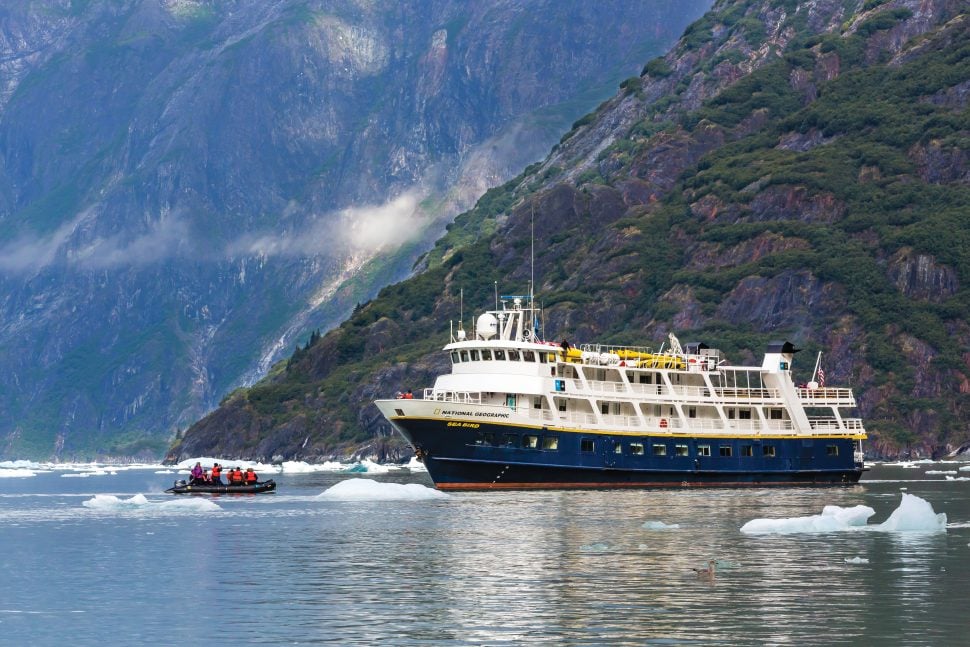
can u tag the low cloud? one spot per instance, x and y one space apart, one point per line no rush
355 231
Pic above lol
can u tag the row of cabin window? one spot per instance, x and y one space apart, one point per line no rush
500 355
551 443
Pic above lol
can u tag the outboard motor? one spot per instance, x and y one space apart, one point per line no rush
180 483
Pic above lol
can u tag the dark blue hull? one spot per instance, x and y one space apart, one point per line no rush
475 456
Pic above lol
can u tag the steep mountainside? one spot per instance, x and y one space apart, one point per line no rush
791 169
187 187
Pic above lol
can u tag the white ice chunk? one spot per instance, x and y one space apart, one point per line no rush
371 490
833 518
17 472
940 472
913 514
660 525
138 503
856 560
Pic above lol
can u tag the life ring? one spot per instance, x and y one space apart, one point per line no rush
663 423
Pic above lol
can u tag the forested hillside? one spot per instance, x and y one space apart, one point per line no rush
789 170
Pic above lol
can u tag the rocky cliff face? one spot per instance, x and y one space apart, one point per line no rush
789 170
188 187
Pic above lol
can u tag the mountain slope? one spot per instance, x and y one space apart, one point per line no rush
187 188
789 169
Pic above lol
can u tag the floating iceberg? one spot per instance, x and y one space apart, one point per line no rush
913 514
16 472
856 560
659 525
371 490
138 503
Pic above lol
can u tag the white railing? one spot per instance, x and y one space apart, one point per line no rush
832 424
842 397
459 397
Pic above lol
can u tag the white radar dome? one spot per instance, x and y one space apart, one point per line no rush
487 326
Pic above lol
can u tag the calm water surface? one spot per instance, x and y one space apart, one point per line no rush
500 568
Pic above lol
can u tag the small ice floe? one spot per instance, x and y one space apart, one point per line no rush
89 473
856 560
415 465
301 467
940 472
965 468
957 478
371 490
16 472
659 525
913 515
595 547
139 504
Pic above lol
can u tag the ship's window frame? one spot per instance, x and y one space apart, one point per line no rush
476 356
659 449
513 355
530 441
725 451
587 445
537 402
605 408
542 358
511 440
681 450
731 413
617 446
550 443
691 412
464 356
486 355
775 414
831 450
499 355
744 414
768 451
747 450
636 449
455 357
528 356
562 404
703 450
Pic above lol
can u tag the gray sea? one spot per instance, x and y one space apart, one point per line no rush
102 556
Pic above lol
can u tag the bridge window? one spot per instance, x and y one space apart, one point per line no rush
703 450
475 356
681 450
500 355
744 414
586 445
487 355
550 442
528 356
831 450
530 442
768 450
455 357
513 355
659 450
464 356
636 449
725 450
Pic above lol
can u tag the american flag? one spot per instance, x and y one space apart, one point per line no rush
821 378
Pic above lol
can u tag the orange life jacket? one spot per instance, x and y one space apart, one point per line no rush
216 472
251 477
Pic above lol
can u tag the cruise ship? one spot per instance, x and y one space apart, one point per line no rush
519 412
